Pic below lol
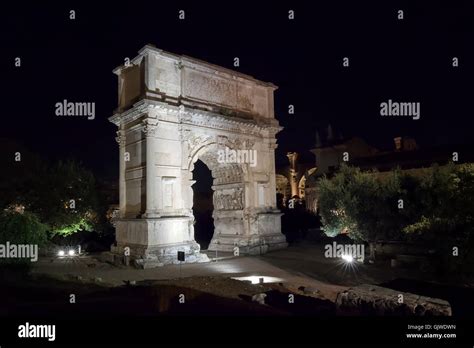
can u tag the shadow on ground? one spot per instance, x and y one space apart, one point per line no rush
460 298
300 305
50 298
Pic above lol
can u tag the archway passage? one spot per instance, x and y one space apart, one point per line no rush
229 225
202 205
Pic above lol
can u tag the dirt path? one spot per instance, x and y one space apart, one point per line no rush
89 269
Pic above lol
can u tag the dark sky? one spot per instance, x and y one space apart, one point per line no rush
404 60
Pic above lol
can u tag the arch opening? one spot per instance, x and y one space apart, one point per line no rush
203 204
228 200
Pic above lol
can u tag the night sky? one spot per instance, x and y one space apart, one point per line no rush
407 60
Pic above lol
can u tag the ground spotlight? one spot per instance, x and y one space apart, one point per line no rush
259 279
61 253
347 258
71 252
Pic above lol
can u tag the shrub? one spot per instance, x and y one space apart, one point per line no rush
20 228
360 204
438 205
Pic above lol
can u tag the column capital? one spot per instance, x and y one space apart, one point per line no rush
272 143
150 127
120 138
273 146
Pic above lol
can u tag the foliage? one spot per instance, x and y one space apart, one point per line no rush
18 228
359 204
446 204
438 204
63 196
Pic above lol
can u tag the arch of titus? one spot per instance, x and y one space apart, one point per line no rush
174 110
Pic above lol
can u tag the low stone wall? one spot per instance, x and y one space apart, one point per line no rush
375 300
389 249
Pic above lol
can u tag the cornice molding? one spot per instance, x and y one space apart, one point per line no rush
198 118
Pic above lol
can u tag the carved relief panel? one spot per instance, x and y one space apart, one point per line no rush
228 199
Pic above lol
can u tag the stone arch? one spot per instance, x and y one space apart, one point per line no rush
206 147
204 152
228 194
191 109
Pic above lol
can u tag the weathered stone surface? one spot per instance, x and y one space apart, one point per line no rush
308 290
175 110
107 256
147 263
259 298
375 300
390 249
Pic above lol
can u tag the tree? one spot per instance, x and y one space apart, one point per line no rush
369 205
20 228
65 198
435 205
348 203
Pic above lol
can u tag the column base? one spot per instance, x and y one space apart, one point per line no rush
156 242
249 246
265 234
